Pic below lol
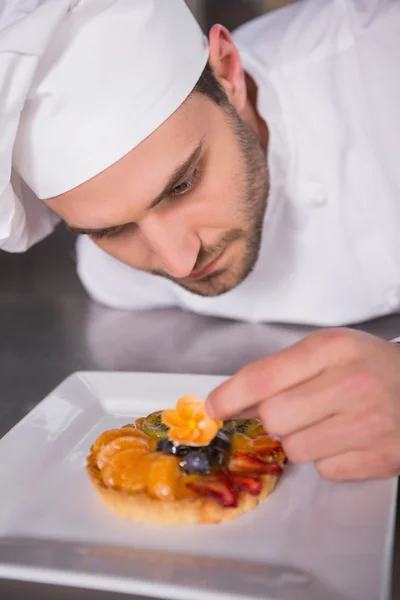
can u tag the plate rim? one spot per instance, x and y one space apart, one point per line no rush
21 572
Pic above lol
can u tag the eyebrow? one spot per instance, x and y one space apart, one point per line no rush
173 181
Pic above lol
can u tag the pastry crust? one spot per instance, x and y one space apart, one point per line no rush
142 508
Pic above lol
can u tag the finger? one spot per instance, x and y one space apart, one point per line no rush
356 465
328 439
250 413
271 375
308 403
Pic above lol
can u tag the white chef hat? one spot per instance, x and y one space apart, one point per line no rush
82 83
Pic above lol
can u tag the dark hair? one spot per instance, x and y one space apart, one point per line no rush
209 85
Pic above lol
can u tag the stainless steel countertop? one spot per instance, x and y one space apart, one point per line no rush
50 331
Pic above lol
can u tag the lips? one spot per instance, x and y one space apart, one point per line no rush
204 271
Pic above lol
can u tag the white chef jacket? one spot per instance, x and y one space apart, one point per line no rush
329 89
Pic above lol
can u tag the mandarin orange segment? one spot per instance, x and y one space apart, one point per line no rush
119 444
171 418
190 407
112 434
183 491
189 423
208 430
132 431
163 477
127 470
185 435
109 436
265 444
139 423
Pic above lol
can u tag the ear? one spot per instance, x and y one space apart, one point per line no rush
225 61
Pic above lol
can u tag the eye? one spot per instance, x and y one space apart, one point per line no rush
186 185
107 233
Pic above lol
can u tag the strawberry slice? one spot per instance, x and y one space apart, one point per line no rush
219 488
245 483
243 462
273 469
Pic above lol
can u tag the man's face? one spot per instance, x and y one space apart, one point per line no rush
187 204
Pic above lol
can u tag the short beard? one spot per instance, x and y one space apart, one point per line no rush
252 208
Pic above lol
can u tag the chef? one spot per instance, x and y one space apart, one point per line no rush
253 176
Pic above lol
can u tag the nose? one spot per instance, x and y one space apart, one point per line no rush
176 246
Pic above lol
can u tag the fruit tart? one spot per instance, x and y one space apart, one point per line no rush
178 466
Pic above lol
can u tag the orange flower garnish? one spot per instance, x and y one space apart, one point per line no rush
189 423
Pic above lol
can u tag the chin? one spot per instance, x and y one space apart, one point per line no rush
208 291
214 285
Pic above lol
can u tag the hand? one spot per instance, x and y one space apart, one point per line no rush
333 398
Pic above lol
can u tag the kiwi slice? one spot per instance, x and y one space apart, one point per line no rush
154 427
244 426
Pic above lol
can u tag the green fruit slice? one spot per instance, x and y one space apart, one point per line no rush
244 426
154 427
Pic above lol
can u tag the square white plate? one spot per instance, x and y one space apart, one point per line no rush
310 540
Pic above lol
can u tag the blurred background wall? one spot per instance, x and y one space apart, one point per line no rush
231 13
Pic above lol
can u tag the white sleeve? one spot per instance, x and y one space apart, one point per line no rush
26 28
